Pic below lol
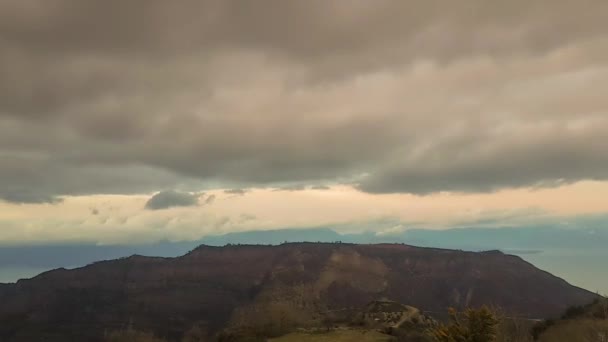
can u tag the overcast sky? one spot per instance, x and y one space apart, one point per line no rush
126 120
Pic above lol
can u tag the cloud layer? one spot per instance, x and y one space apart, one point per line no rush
169 199
393 96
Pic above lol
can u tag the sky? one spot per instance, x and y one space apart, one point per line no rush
140 121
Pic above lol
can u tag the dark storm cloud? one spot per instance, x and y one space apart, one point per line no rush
25 197
555 157
418 96
310 29
34 179
169 199
294 187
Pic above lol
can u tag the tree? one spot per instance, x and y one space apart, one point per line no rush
472 325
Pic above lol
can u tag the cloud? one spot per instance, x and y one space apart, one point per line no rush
528 157
35 179
124 218
293 187
210 199
169 199
417 97
236 191
27 197
247 217
300 187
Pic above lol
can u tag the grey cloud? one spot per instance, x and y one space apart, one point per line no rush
27 197
210 199
419 96
299 29
170 199
32 179
320 187
294 187
236 191
557 157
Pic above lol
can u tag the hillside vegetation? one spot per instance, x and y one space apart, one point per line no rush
336 336
588 323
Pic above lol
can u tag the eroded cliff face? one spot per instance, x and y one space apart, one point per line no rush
218 286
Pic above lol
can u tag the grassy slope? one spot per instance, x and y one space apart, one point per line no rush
577 330
585 323
335 336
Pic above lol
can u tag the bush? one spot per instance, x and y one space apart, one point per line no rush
574 311
472 325
539 328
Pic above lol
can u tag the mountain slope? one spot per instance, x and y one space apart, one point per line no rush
579 323
219 286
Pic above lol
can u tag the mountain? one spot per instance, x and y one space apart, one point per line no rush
217 287
516 240
75 255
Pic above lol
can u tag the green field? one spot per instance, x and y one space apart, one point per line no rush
337 336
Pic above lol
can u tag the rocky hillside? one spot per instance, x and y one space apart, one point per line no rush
216 287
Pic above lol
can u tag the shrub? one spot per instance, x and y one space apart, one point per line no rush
472 325
539 328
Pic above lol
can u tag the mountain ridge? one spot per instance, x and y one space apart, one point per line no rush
222 285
